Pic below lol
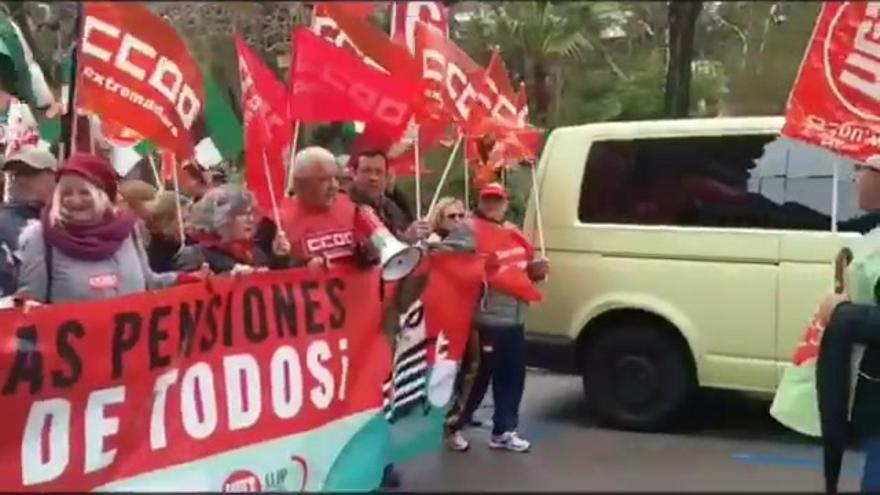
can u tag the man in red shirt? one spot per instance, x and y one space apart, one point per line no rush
319 222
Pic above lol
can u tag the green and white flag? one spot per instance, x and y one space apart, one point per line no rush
219 138
20 75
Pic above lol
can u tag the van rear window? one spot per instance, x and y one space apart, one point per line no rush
752 181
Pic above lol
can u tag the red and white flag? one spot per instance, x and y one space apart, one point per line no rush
136 71
267 127
835 101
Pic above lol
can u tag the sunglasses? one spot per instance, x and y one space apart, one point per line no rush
454 216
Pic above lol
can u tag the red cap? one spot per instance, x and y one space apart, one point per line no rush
493 189
95 169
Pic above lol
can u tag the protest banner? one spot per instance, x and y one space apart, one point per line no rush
279 381
135 70
835 101
255 381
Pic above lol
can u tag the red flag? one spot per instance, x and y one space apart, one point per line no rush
453 279
330 84
835 101
135 70
338 25
267 128
404 16
507 252
451 76
496 75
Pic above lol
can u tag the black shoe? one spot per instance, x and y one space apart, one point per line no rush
390 478
476 423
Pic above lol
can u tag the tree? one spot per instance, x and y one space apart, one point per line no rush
682 26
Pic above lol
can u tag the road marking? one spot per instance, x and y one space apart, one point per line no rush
849 468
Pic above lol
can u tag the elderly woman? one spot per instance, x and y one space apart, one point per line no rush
162 230
84 248
224 223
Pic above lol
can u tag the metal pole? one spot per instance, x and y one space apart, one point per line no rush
176 180
834 194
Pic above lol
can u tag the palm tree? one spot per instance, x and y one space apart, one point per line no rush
536 39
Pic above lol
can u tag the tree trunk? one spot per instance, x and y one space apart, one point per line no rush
682 24
542 92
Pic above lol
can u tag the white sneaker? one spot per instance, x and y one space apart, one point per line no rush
509 441
457 442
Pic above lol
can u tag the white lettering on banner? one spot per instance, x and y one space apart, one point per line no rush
866 57
56 414
158 439
414 14
179 94
98 427
46 442
326 27
198 379
243 401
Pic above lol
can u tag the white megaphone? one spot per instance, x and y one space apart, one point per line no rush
398 259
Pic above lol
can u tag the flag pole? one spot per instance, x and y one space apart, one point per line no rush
179 202
446 169
540 224
151 159
418 170
467 185
68 119
289 179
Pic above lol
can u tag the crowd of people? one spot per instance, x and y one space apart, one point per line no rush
76 231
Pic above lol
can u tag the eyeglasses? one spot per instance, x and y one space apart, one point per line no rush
455 216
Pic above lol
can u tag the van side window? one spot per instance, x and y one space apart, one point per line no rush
746 181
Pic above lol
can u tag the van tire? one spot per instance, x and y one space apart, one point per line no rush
638 377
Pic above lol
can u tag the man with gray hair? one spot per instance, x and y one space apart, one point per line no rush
31 176
318 221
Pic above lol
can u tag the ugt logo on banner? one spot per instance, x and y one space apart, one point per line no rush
835 102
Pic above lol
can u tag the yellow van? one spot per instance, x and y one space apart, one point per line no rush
684 253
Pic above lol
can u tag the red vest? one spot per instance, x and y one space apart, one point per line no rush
508 253
329 233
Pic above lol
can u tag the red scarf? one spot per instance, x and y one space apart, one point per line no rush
241 250
508 252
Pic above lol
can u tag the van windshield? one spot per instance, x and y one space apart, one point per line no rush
747 181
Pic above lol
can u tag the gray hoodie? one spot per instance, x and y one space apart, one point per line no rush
73 280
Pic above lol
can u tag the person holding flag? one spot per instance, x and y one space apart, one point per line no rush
512 267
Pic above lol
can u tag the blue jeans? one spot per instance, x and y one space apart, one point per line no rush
508 372
871 474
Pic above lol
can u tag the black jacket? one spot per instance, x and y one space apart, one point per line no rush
394 218
13 218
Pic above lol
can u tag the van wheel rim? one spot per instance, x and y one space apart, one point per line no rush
637 380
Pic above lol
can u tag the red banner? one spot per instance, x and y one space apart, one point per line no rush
101 391
267 126
329 84
404 16
136 71
835 101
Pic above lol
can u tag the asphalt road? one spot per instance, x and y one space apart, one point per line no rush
731 445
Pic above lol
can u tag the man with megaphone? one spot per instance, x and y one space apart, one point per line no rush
318 221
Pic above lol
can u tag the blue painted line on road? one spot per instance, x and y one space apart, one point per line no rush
848 469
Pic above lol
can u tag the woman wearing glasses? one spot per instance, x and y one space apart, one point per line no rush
448 215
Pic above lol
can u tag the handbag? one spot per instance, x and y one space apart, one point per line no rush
796 403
